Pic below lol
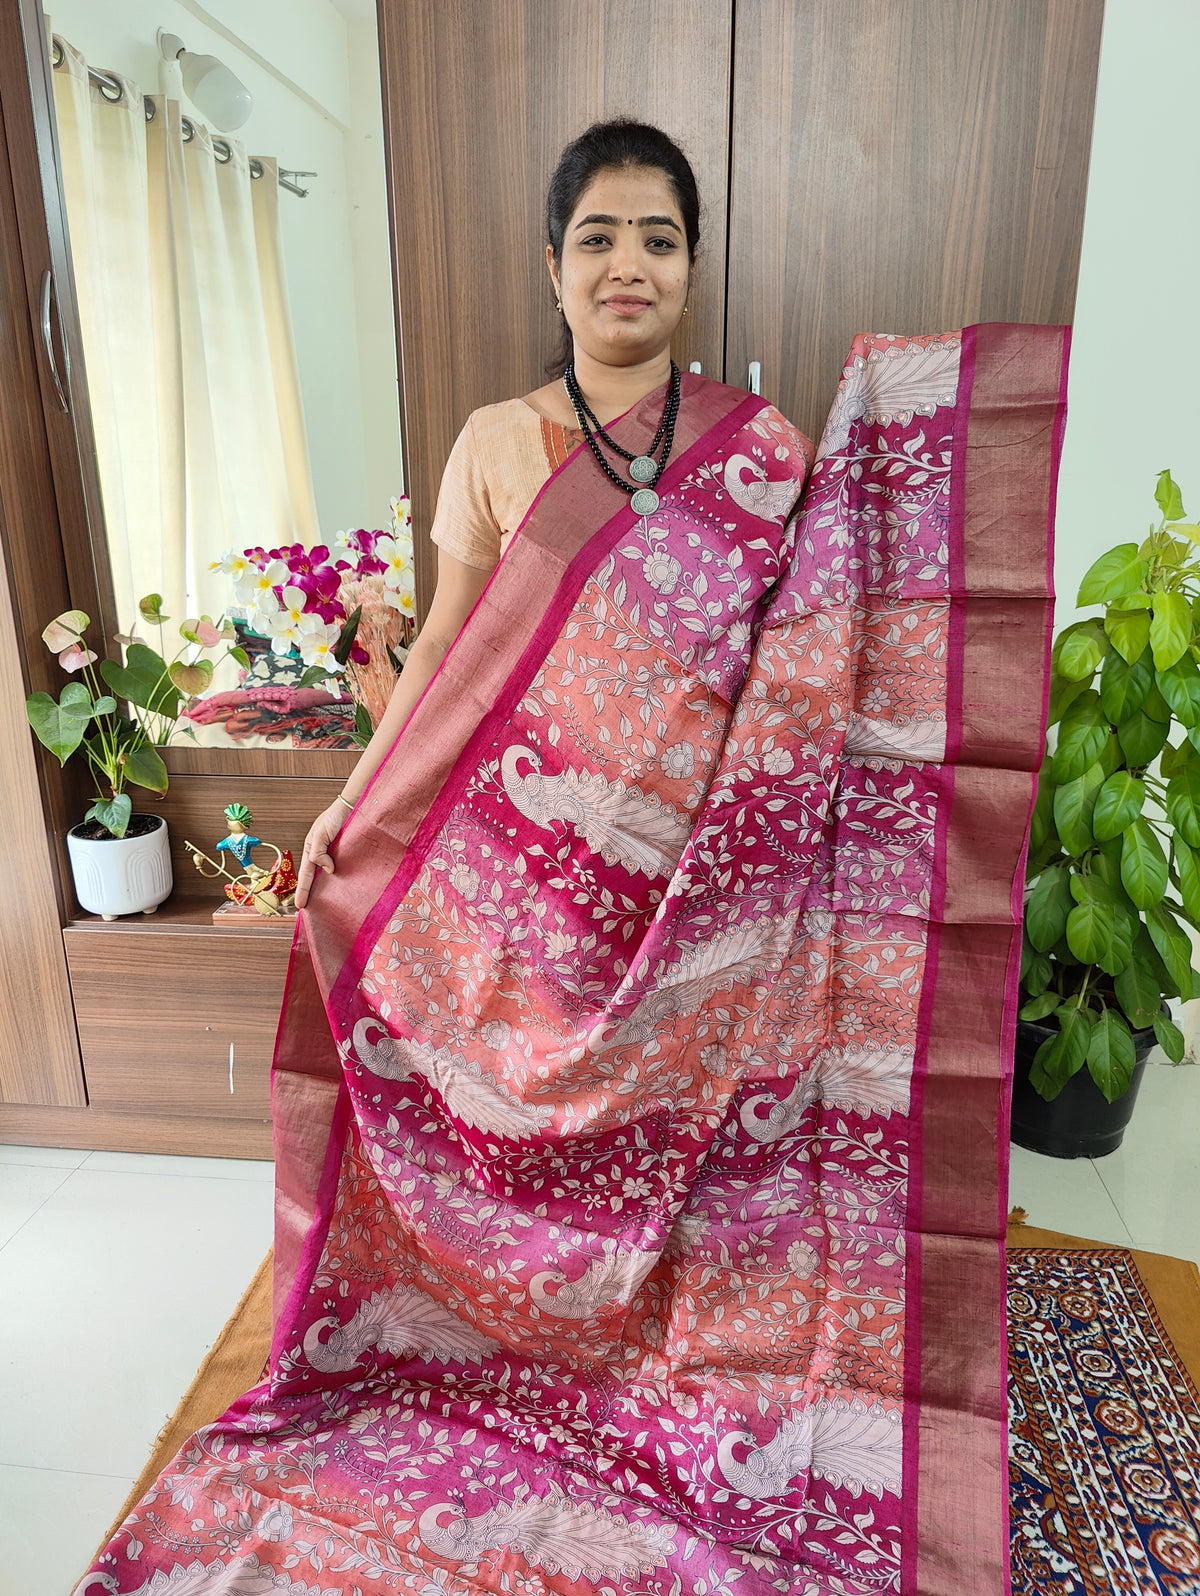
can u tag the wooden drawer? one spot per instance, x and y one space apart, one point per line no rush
158 1011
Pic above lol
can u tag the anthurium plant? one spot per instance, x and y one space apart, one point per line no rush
121 748
1114 859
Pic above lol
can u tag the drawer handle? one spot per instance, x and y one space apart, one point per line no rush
231 1069
48 339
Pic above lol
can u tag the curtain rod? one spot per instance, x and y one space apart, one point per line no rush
113 90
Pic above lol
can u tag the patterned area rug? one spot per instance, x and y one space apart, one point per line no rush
1104 1460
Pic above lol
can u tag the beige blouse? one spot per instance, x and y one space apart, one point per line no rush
503 457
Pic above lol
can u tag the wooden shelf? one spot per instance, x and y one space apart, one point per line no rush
182 916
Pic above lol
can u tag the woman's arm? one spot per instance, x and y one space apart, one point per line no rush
458 589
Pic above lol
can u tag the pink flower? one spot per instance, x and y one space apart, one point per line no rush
65 630
74 659
208 634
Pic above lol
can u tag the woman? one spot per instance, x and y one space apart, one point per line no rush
623 219
636 1097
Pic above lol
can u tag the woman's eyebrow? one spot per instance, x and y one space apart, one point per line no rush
615 221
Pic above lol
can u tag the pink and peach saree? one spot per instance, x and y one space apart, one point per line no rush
641 1089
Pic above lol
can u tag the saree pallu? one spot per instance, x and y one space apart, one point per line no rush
640 1094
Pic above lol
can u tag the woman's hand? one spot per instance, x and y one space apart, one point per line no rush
316 848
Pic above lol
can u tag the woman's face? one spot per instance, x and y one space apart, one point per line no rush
623 279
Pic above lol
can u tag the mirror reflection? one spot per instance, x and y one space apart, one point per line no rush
224 182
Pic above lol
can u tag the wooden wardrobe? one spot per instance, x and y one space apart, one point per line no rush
865 165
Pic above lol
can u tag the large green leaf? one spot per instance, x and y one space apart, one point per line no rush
1074 803
1081 736
1170 1038
1091 928
1180 687
1128 631
1046 911
1110 1054
1118 803
1183 803
1062 1055
1143 865
1138 991
60 726
1187 868
1170 629
143 680
1173 944
112 813
1063 693
191 680
1141 738
1168 497
1143 947
145 768
1174 759
1036 970
1115 572
1038 1007
1041 824
1079 649
1123 686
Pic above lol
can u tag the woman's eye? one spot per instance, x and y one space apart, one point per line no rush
662 244
596 238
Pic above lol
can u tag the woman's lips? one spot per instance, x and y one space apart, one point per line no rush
627 307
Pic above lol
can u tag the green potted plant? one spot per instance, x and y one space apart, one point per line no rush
120 861
1113 879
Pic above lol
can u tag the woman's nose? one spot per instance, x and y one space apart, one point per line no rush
626 264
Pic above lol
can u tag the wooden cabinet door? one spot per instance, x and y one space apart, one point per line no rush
907 167
479 99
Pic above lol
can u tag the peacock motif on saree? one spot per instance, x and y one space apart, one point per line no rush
850 1444
470 1095
606 1282
551 1532
240 1576
401 1321
623 825
748 485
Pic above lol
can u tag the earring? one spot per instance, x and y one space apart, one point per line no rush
685 310
558 306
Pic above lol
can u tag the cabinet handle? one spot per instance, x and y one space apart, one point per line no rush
231 1069
48 338
695 366
754 380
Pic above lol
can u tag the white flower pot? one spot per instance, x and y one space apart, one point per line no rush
121 875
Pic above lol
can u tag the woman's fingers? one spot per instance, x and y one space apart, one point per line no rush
315 857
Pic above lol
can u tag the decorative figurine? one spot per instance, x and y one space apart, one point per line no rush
239 842
256 890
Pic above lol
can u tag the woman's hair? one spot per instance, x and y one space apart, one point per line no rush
615 146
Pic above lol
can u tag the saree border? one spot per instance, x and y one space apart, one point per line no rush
1006 451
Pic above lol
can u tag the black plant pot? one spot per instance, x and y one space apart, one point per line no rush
1080 1122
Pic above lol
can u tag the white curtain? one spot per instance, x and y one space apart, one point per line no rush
191 366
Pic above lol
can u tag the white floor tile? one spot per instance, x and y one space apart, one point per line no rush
1154 1176
110 1296
1067 1195
50 1527
193 1168
23 1190
50 1157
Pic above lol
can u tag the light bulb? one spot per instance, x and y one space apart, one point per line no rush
212 88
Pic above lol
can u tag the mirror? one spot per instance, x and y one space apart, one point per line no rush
223 173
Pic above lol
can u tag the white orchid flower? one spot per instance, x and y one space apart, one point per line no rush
396 558
235 565
258 587
401 598
316 642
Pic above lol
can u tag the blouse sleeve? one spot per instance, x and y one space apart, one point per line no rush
464 524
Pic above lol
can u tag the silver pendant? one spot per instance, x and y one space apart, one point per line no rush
644 502
643 469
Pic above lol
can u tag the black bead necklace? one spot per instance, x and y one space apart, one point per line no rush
643 468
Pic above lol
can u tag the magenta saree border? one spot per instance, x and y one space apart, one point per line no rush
1007 439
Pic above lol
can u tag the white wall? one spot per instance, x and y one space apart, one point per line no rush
1134 392
295 57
